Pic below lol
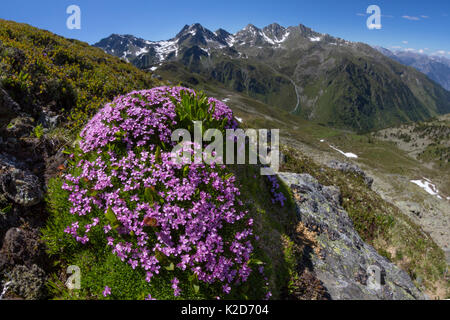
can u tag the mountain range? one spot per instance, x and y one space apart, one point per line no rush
437 68
329 80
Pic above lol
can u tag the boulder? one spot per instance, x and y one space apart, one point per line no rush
347 167
28 282
22 187
22 247
8 219
348 267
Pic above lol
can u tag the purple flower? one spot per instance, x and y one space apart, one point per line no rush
107 291
178 211
226 288
149 297
176 289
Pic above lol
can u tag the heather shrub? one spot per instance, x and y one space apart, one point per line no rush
140 225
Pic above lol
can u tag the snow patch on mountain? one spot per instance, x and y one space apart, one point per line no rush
428 186
164 48
346 154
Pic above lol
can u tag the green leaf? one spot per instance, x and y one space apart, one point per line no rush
228 176
193 278
148 194
185 171
255 261
196 288
112 218
171 267
94 193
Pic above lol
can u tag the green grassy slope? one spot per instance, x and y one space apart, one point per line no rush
40 69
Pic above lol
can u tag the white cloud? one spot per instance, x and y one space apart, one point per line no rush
421 51
411 18
361 14
410 49
396 47
405 42
439 53
425 17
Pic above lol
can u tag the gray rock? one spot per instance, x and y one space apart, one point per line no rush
22 247
350 168
28 282
3 264
346 263
49 120
8 220
8 108
22 187
20 127
9 162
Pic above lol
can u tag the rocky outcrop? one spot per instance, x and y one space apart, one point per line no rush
20 127
28 282
26 162
21 257
348 267
22 247
347 167
22 187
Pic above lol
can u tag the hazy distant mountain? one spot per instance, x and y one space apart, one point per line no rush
435 67
320 77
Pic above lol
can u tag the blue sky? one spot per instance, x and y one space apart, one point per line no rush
419 25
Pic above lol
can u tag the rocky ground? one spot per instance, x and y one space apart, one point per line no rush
348 267
430 212
26 162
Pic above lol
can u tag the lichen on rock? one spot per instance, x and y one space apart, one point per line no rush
346 263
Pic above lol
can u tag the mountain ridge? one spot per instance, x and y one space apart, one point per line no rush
435 67
329 80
